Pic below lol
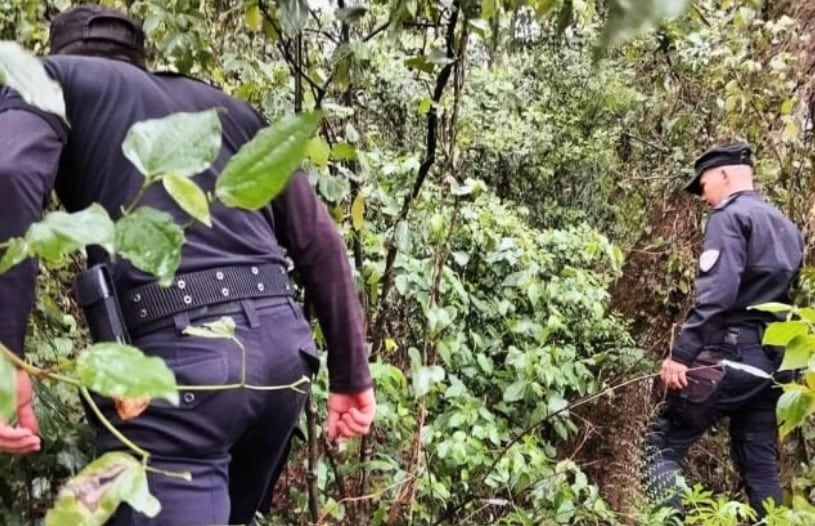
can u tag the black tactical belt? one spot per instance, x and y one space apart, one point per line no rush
152 302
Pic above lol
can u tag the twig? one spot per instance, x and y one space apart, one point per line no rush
424 169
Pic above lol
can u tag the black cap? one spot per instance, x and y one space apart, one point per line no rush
719 155
95 22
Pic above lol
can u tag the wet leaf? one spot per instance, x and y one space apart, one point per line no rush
152 241
263 166
181 143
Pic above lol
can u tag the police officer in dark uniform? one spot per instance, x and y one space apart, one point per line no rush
751 255
233 442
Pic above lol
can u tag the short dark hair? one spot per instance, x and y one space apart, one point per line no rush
97 30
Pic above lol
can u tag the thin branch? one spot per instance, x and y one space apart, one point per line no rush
284 48
424 169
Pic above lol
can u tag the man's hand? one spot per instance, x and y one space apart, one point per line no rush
350 415
23 438
673 374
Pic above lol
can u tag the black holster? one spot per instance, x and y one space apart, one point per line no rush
95 294
704 376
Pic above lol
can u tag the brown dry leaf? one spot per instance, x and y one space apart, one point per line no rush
129 408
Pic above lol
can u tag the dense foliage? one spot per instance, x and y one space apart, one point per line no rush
491 175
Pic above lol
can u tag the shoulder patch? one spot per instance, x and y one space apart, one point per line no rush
708 259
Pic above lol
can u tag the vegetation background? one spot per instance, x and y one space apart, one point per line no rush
508 178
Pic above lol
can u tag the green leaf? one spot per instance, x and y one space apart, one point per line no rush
254 18
771 307
488 9
152 241
403 237
15 252
358 211
333 188
188 195
807 314
221 328
781 333
515 391
8 390
798 352
263 166
344 152
425 377
60 233
122 371
23 72
183 143
424 106
318 151
557 403
92 497
794 406
294 14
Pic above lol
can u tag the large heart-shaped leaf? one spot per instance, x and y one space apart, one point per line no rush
188 195
263 166
152 241
181 143
60 233
8 389
92 497
122 371
23 72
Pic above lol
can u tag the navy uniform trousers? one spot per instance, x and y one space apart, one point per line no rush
233 442
749 401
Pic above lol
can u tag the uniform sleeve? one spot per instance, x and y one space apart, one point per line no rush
29 158
305 229
721 267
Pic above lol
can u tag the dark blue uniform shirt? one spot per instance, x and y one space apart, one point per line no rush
751 255
85 164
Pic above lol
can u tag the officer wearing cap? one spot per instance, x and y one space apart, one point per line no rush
751 254
235 442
